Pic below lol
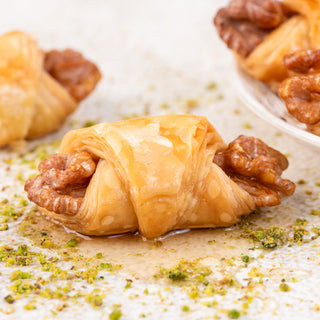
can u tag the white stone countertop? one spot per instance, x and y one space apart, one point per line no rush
156 53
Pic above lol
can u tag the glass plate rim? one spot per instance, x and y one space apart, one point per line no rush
244 85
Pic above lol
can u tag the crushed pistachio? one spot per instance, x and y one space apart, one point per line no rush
132 116
21 256
268 237
211 86
194 292
71 243
4 227
284 287
116 314
89 123
245 259
128 284
95 299
192 103
46 243
185 271
9 299
185 308
18 274
234 314
30 306
109 266
12 210
220 96
165 106
247 125
298 235
209 290
301 222
177 275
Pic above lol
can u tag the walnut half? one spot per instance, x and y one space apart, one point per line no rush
62 182
244 24
257 168
74 72
301 93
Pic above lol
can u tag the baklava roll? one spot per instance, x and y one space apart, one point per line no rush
38 90
154 175
261 33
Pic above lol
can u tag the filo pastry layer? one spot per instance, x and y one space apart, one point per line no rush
154 175
32 103
299 32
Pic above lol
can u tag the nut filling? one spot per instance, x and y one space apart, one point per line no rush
301 93
75 73
256 168
62 182
244 24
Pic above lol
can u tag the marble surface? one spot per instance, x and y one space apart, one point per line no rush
159 57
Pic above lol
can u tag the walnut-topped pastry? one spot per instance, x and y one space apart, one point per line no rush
39 89
273 41
154 175
276 28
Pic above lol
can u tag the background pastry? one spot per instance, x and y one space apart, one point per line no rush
261 33
275 42
154 175
38 90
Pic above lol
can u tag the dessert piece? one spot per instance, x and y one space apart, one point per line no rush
262 32
38 90
154 175
273 41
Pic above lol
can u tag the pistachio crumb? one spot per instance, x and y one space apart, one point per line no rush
234 314
245 259
71 243
284 287
116 314
185 308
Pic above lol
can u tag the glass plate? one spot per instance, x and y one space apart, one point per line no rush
267 105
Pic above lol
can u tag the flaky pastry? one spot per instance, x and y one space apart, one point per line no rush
36 97
154 175
278 43
282 27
